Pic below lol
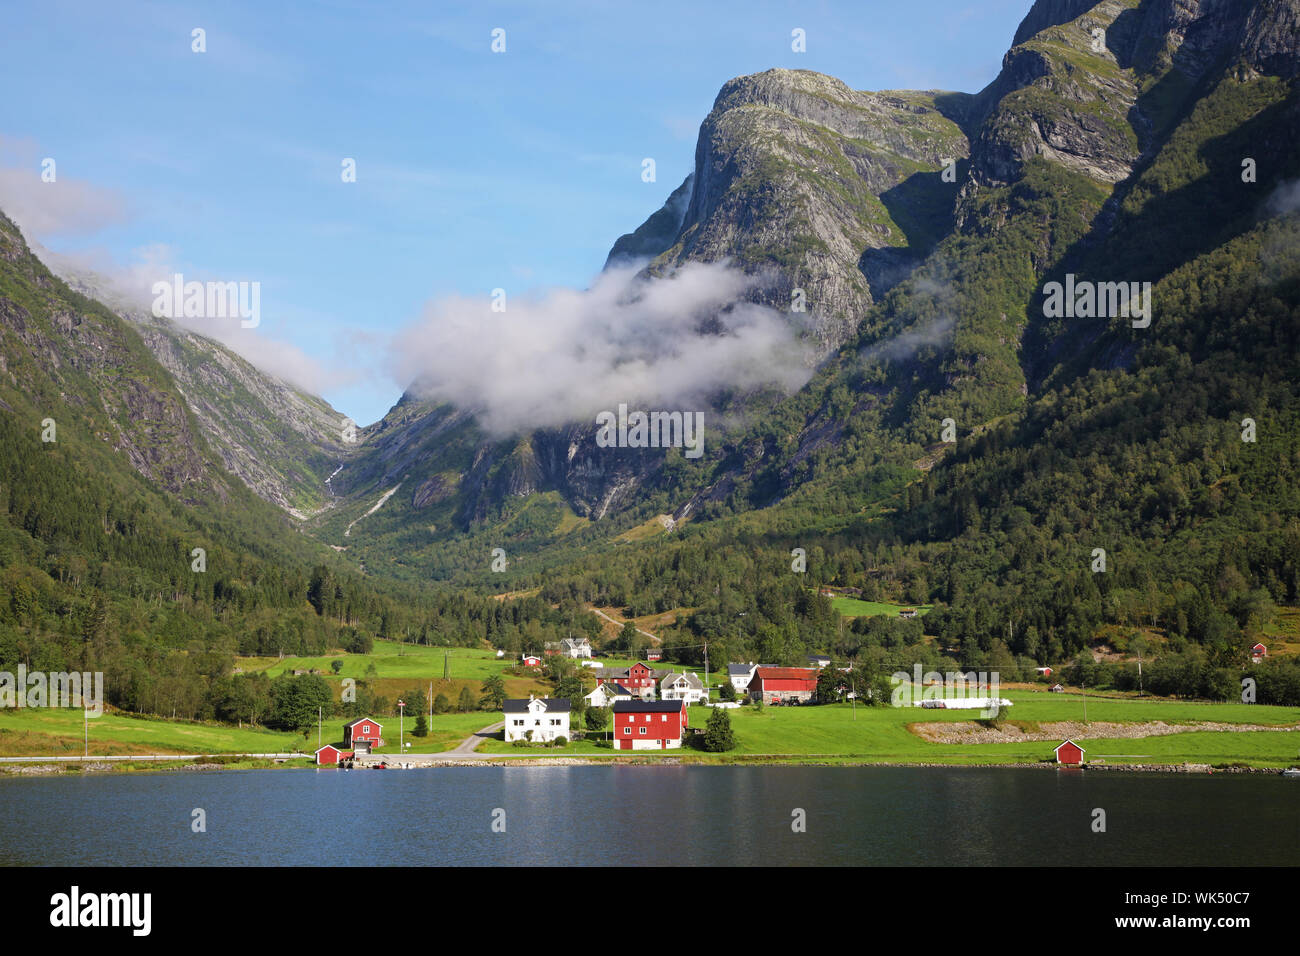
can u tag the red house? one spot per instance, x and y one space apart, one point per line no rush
364 732
648 724
1259 651
329 755
531 660
1069 753
783 684
653 654
640 678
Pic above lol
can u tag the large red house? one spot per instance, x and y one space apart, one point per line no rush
363 732
640 678
783 684
648 724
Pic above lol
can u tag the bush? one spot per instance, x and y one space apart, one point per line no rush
520 743
561 741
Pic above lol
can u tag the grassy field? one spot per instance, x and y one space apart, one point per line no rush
852 607
51 732
390 659
881 734
831 733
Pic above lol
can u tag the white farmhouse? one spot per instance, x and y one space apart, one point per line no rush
740 675
546 717
679 686
605 694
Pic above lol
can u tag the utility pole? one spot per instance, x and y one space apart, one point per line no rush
444 665
320 717
85 720
706 670
401 727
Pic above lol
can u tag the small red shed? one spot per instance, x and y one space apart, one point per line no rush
329 755
364 731
1258 651
531 660
1069 753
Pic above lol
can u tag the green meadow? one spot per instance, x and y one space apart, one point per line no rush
52 732
390 659
842 733
852 607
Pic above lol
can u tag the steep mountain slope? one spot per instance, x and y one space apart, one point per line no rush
836 191
811 185
280 441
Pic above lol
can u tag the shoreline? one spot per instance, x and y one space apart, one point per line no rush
35 768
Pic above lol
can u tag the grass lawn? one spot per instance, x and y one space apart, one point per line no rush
833 732
852 607
51 732
390 659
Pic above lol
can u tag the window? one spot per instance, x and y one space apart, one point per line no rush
664 719
643 731
627 730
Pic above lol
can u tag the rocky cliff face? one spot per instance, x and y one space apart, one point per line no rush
280 441
60 350
826 189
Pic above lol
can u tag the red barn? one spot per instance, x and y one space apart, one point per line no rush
1069 753
649 724
783 683
330 755
532 660
363 732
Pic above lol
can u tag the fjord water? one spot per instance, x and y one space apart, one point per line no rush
579 815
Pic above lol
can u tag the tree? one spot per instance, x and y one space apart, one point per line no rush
441 704
718 735
336 666
829 682
466 702
597 718
421 727
728 690
494 693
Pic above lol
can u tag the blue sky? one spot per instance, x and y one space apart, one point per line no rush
475 170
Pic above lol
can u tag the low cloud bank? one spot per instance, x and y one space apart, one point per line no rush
564 355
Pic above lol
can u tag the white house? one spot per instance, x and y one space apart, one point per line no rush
575 647
679 686
546 717
740 675
605 694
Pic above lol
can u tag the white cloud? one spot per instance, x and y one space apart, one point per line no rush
564 355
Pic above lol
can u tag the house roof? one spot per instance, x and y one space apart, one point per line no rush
819 657
738 669
785 673
611 688
1071 743
648 706
690 679
364 720
554 705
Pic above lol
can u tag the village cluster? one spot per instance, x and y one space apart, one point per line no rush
649 704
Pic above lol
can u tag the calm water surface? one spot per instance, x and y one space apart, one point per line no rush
860 816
